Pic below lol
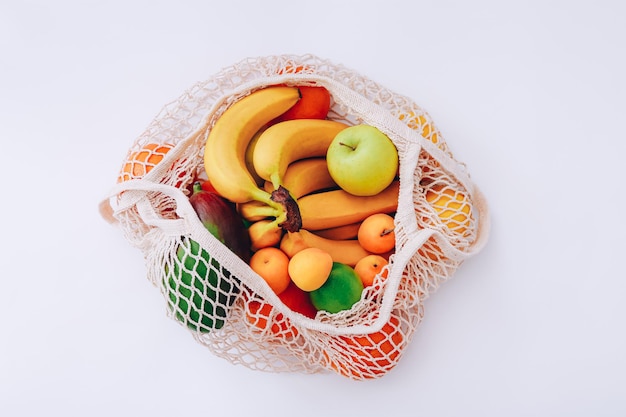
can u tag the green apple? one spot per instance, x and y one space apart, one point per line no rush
362 160
341 290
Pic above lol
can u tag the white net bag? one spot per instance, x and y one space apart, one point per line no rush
441 220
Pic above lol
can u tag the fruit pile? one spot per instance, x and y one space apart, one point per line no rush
308 197
308 202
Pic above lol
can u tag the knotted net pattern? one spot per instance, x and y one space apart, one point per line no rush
441 221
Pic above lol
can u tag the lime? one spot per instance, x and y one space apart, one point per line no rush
341 290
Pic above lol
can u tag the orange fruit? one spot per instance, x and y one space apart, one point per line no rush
376 233
290 69
452 207
371 355
207 186
272 265
263 316
420 122
314 103
140 162
370 266
309 269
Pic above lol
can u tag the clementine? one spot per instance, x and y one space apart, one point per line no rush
419 122
140 162
314 103
452 207
371 355
264 317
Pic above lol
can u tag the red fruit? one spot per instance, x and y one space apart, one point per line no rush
298 300
221 219
207 186
313 104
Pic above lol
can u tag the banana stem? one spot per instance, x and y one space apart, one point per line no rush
263 211
276 181
290 219
288 213
254 210
265 197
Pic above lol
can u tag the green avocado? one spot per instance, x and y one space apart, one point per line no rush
199 290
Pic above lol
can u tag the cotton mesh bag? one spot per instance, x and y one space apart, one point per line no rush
215 296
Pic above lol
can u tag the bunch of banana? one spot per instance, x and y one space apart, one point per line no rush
228 141
302 177
276 173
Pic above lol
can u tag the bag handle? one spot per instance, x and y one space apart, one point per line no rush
133 193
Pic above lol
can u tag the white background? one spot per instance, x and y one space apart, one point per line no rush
530 95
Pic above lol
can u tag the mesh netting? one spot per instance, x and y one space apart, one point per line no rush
441 220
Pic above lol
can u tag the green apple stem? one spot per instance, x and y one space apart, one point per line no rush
345 144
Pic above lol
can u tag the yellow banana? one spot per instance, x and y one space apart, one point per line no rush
338 207
291 140
348 231
228 139
348 252
263 234
301 178
292 243
249 151
255 210
305 176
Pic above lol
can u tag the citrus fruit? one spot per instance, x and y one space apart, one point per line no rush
264 317
272 265
452 207
290 69
309 269
341 290
314 100
140 162
314 103
421 123
376 233
371 355
208 187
